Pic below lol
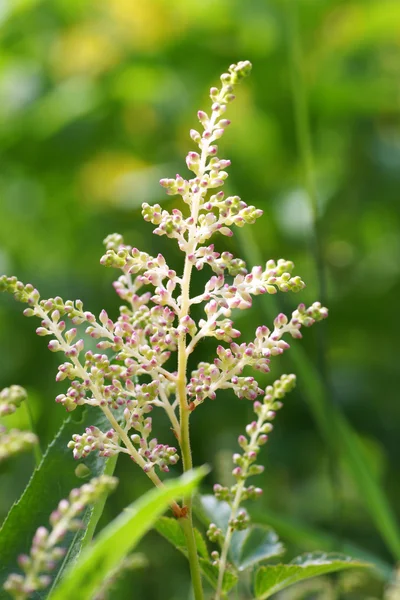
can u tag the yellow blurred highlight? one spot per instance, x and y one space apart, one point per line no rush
101 177
353 25
144 24
116 26
83 50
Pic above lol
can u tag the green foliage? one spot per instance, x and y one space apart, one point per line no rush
211 572
297 533
255 545
120 537
272 579
248 547
171 530
51 482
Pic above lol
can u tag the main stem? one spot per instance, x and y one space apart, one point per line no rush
184 410
187 520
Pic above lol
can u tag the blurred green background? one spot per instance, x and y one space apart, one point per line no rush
96 101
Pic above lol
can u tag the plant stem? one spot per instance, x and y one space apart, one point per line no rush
187 521
236 505
135 454
184 410
304 143
37 451
227 540
195 573
107 412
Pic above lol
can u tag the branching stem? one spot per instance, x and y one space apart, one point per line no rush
227 540
107 412
235 508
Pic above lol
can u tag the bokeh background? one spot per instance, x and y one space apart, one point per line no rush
96 101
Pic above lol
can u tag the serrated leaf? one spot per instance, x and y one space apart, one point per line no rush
51 481
171 530
201 544
211 573
272 579
308 537
214 511
248 547
257 544
120 537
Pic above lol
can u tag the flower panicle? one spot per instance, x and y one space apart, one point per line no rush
129 373
250 443
245 466
227 367
142 338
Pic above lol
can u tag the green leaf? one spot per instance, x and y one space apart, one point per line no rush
255 545
121 536
310 538
211 510
200 544
53 480
274 578
211 573
171 530
248 547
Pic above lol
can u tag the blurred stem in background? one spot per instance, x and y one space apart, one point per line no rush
37 451
338 434
304 144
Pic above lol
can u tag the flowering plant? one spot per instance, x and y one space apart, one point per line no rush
134 372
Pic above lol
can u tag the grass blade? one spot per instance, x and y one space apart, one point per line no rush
50 482
121 536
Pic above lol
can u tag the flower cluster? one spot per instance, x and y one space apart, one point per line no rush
107 444
245 466
141 362
10 399
230 362
13 441
256 436
46 550
142 340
